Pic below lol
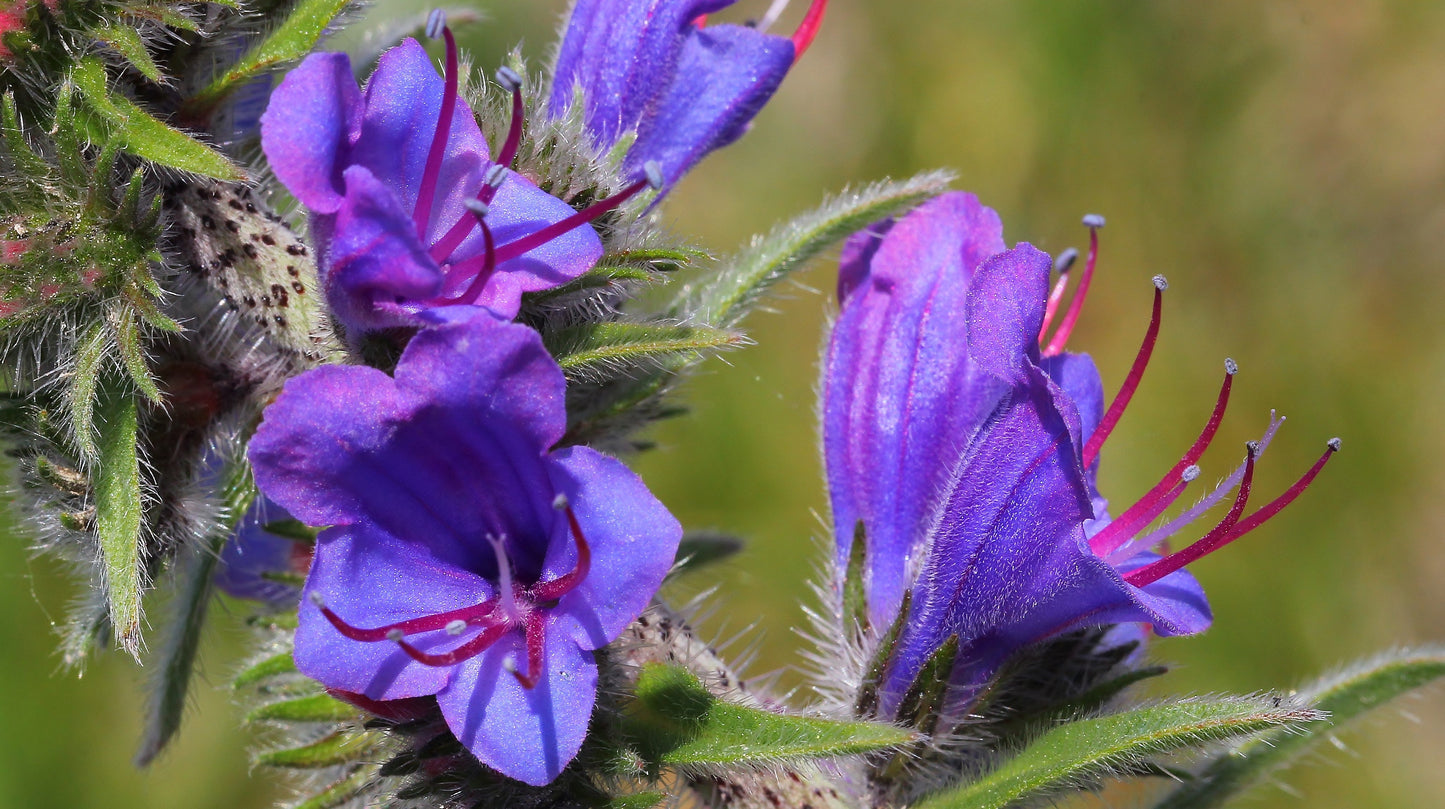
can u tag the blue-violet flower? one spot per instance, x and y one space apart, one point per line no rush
408 211
965 441
464 557
655 68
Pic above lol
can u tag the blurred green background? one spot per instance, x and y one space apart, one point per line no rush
1282 163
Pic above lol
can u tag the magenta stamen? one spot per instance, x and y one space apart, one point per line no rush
1122 529
1052 307
808 28
1224 487
1076 306
1277 505
466 651
1218 536
479 614
426 192
536 649
514 131
489 264
1131 382
566 583
532 241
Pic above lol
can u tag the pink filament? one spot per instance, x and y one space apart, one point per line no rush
1076 306
480 614
1122 529
1218 536
426 193
808 28
1131 384
1052 307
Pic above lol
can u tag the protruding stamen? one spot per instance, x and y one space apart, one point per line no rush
512 82
1131 382
1218 536
566 583
1127 524
536 239
495 176
477 208
478 283
1062 264
1225 486
466 651
480 614
1190 473
395 634
1076 306
452 239
536 652
426 192
808 28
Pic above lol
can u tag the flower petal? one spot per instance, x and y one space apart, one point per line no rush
901 396
371 579
1006 311
308 127
403 106
529 735
374 256
632 536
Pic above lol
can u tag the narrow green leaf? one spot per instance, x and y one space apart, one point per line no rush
699 549
923 700
335 748
127 336
855 596
676 721
640 800
294 530
27 162
1091 748
293 39
340 792
142 134
730 292
126 41
1346 695
267 669
182 639
313 708
867 703
600 345
90 355
118 512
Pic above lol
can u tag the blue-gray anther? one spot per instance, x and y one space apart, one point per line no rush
1093 221
1334 444
653 170
1161 283
495 175
1190 472
436 22
477 207
1065 260
508 78
1252 447
1230 366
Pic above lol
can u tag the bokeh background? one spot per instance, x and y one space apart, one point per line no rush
1282 163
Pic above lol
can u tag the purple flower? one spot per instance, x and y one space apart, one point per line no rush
464 559
969 454
408 212
253 557
650 66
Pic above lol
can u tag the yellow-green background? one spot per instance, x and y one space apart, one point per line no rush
1283 163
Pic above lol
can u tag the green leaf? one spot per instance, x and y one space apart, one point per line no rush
118 512
340 792
126 41
90 356
593 346
640 800
699 549
867 703
1346 696
143 135
1080 751
340 747
271 667
182 640
294 530
313 708
923 701
293 39
676 721
855 596
128 338
731 291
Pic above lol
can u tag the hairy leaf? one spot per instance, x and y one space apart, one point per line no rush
676 721
734 288
1081 751
1345 695
335 748
292 39
699 549
126 41
118 512
598 346
313 708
